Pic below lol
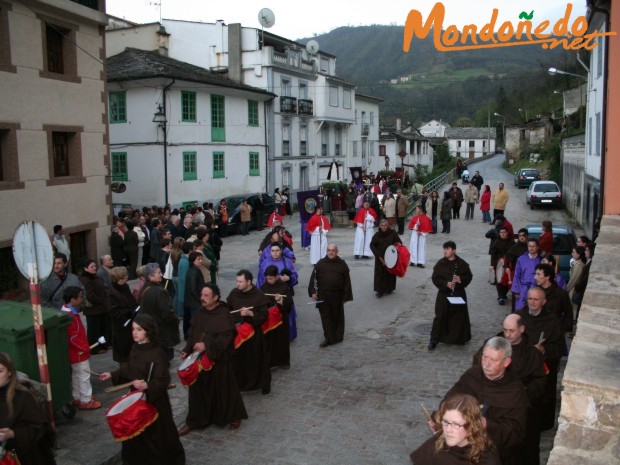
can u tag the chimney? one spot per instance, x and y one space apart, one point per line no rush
398 124
162 41
234 53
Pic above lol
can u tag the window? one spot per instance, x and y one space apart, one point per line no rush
325 140
355 152
382 150
119 166
599 57
303 140
218 132
254 166
303 90
285 87
59 50
364 149
218 165
188 106
333 96
597 148
324 65
286 139
355 116
371 151
458 143
252 113
190 168
346 98
590 136
472 144
338 130
5 42
9 165
372 118
118 107
65 154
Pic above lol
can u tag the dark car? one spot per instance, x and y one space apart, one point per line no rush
526 176
564 240
233 202
543 194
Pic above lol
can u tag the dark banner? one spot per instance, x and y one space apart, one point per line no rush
307 202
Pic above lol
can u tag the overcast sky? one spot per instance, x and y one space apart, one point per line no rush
304 18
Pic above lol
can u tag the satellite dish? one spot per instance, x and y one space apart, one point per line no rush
312 46
266 18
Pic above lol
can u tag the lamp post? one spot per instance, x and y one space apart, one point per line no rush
554 72
503 127
160 118
524 112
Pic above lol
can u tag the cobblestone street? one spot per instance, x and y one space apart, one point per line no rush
354 403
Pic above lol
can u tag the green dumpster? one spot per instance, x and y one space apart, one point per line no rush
18 340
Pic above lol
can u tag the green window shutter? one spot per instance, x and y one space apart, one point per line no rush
218 165
119 167
252 113
254 166
190 171
188 106
117 107
218 132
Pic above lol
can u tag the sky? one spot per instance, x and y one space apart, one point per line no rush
298 19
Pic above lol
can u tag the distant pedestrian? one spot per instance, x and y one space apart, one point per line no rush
485 204
471 199
477 180
420 225
446 212
456 195
245 216
499 200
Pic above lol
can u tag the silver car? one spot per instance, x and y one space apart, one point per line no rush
543 193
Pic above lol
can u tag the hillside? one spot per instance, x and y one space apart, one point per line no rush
446 85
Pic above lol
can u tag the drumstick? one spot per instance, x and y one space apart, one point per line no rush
426 412
271 295
315 302
238 310
93 373
118 387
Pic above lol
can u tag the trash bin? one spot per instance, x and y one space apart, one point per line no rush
18 340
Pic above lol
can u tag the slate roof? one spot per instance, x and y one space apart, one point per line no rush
133 64
471 133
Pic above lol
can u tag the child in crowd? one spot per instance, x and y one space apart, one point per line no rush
79 352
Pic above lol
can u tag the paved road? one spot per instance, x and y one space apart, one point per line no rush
354 403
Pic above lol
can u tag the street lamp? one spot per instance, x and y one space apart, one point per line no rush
160 118
554 71
503 127
524 112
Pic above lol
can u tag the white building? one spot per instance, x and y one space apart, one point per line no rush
470 143
53 125
434 128
308 123
214 141
364 146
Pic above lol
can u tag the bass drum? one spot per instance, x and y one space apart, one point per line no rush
401 254
502 273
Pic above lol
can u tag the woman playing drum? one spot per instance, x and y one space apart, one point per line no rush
148 371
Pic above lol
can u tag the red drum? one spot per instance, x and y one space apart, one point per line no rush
274 319
244 332
192 366
503 274
398 259
130 415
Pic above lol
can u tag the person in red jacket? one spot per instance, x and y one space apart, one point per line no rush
275 219
420 226
79 351
546 238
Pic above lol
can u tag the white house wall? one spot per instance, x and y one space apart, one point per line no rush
595 109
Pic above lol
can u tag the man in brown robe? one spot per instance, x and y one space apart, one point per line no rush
544 331
384 282
557 300
330 286
451 275
501 394
252 359
214 398
278 337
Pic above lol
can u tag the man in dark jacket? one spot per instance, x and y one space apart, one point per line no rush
477 180
259 208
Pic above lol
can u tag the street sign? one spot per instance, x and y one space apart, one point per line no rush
32 250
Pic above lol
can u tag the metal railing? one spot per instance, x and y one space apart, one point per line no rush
439 181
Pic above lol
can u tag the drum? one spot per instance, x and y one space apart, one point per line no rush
244 332
402 260
274 319
390 257
130 415
190 369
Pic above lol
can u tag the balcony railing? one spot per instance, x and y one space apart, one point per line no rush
365 129
288 105
306 107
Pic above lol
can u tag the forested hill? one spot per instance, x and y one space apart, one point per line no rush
447 85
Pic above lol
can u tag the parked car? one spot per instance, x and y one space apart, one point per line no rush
564 240
543 193
233 202
526 176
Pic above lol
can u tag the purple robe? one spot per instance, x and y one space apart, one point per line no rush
523 279
266 254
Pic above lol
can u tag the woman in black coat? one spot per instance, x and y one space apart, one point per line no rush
96 307
122 310
194 282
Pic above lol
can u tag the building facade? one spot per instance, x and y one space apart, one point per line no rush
470 143
54 164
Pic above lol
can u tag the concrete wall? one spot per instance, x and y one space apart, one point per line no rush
588 432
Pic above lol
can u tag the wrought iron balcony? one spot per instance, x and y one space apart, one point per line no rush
306 107
288 104
365 129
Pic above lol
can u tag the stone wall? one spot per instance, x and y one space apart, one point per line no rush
589 423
